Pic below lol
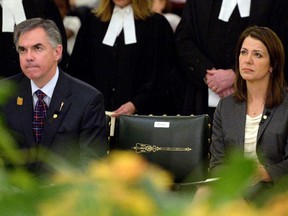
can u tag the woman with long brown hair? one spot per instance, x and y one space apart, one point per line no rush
254 120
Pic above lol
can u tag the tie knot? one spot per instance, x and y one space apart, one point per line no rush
40 94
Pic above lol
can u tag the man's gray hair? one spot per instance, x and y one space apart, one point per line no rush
47 25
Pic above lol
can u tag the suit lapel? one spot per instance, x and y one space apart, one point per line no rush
56 115
265 120
25 111
240 110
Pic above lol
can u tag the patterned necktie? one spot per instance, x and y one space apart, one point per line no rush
40 111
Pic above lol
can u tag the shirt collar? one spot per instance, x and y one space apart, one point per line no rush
48 89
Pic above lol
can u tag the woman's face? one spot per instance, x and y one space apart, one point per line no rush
158 5
254 60
121 3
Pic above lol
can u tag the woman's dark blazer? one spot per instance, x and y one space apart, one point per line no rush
272 138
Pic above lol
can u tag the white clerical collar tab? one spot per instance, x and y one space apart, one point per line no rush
13 13
228 7
122 18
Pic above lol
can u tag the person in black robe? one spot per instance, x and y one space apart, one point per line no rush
134 77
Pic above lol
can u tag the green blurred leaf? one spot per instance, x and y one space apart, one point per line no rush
235 179
6 90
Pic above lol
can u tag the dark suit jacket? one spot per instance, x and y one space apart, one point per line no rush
9 59
203 42
77 134
272 138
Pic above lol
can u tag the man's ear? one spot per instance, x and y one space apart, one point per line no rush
58 52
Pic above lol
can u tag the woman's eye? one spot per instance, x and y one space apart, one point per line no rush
243 52
258 55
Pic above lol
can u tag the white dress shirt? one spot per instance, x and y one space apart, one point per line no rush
48 89
251 131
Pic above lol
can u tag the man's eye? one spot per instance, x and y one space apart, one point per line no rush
21 50
38 48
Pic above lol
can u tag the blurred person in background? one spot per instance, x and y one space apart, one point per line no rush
127 52
81 8
164 7
72 24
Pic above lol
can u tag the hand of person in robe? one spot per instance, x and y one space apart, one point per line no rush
219 80
127 108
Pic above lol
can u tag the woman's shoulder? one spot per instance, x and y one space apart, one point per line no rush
228 103
92 23
156 17
285 93
228 99
159 22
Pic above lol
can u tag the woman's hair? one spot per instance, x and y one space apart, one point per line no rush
274 94
141 9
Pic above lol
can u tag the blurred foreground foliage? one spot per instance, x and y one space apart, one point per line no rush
125 184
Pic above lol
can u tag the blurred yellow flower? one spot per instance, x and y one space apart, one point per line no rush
278 205
123 166
115 184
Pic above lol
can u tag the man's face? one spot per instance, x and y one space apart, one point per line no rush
38 59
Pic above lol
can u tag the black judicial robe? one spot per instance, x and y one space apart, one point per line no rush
203 41
9 58
136 72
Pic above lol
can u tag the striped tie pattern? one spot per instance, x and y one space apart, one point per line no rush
40 111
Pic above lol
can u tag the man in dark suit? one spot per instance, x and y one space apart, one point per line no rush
9 61
206 41
74 126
